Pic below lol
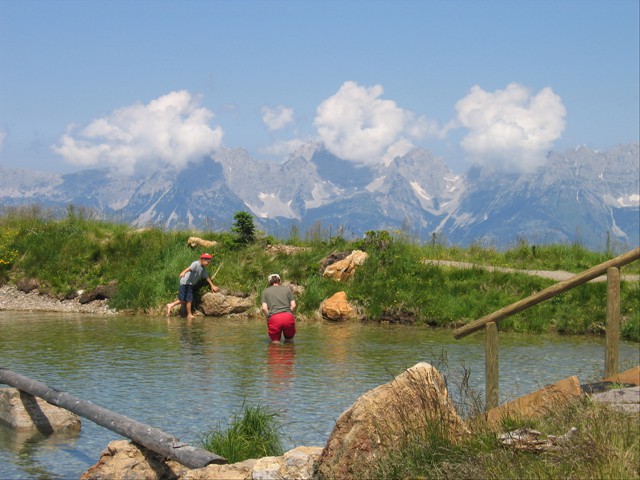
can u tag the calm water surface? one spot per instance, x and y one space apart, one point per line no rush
185 379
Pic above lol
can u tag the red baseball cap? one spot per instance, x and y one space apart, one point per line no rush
206 256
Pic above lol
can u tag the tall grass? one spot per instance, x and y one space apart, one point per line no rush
253 434
606 445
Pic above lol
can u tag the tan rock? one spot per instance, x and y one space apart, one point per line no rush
297 463
536 403
344 269
285 249
194 242
337 308
631 376
24 412
625 399
380 419
235 471
217 304
123 460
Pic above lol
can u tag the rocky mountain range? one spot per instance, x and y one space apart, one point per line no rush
581 195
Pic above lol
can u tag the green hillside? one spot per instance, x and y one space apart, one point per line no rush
396 284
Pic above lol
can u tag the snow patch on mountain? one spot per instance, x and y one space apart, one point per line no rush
321 195
420 191
625 201
376 184
272 206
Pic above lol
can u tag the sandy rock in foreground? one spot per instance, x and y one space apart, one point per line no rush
381 418
124 460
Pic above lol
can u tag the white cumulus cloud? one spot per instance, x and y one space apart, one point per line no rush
356 124
3 137
170 131
512 128
277 118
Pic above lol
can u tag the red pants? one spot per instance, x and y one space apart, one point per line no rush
280 323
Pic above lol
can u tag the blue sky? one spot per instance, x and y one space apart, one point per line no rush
157 84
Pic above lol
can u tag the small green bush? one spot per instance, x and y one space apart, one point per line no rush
255 434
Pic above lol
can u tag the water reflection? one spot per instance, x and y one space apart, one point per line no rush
281 359
25 448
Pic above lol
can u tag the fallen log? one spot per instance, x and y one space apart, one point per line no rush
152 438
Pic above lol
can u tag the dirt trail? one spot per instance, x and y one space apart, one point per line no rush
557 275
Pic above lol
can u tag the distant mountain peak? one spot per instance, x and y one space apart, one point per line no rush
581 195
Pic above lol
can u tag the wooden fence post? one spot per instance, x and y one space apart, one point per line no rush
613 322
491 366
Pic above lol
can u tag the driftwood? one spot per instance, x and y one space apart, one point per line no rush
149 437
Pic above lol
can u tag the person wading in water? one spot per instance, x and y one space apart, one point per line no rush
278 305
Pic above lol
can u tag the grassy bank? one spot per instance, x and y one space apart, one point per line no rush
605 445
395 284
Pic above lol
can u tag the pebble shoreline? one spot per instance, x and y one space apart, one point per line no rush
13 299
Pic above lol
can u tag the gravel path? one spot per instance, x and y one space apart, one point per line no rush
557 275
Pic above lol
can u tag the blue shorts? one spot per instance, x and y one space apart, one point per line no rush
185 294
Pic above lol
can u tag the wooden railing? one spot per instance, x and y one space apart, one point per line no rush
489 322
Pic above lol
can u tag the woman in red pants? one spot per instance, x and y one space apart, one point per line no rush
278 305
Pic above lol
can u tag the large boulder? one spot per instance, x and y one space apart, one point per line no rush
332 258
218 304
25 413
344 269
380 419
336 308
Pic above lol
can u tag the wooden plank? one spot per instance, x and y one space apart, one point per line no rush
547 293
537 403
491 366
631 376
613 322
152 438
